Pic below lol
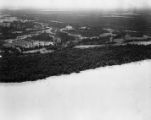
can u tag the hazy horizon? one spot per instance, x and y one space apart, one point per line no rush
75 5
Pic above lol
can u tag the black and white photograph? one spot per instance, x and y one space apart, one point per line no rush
75 59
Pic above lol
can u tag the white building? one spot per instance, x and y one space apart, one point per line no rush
68 27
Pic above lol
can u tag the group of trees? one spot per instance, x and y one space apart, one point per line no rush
32 67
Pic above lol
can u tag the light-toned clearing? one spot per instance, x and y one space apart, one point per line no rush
88 46
140 43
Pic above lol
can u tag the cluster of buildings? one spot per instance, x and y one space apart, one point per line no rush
19 24
5 21
5 24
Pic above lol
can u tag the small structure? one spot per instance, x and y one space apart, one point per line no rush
84 28
68 27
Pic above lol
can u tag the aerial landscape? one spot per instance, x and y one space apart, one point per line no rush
75 59
35 44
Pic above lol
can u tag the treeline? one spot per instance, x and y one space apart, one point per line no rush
32 67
